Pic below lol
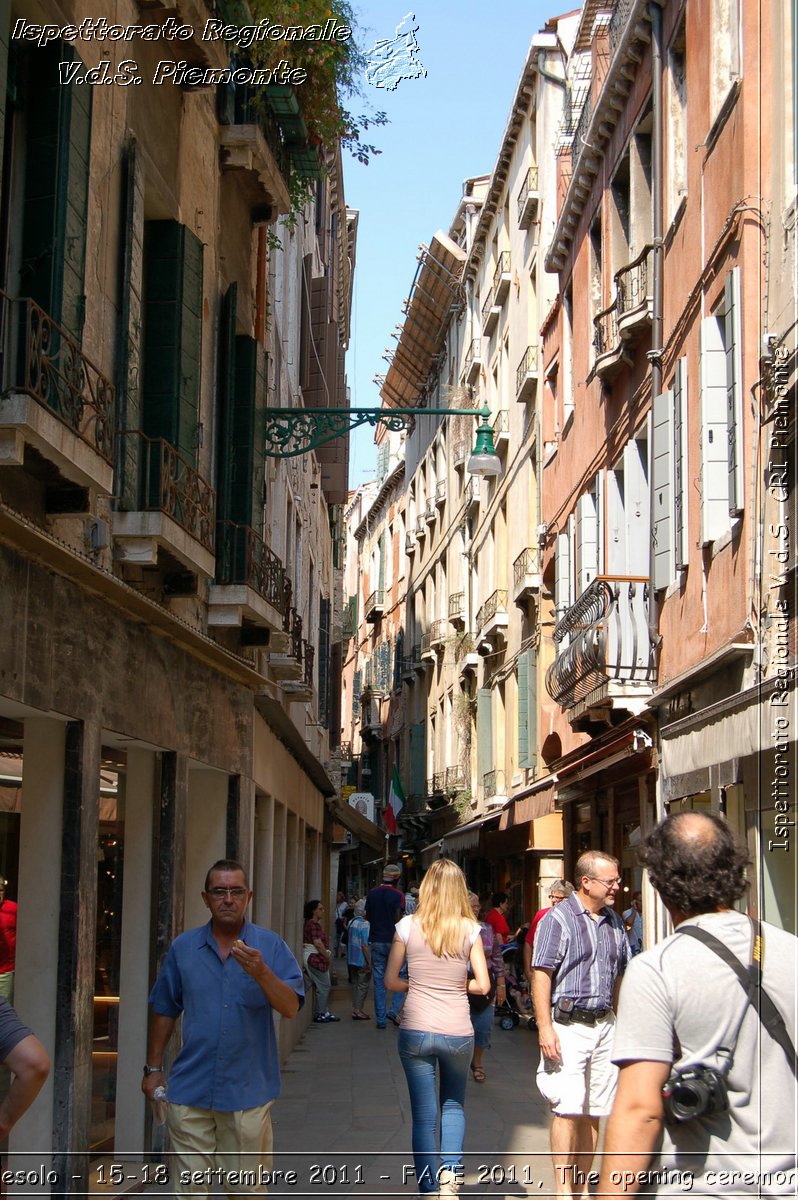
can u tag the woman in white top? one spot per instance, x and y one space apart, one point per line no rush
438 941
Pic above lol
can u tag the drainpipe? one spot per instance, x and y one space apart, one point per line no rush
655 354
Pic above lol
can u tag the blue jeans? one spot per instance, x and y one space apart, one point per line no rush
420 1053
379 961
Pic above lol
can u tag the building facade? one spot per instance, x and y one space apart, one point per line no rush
172 595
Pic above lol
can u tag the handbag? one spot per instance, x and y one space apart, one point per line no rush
307 949
478 1004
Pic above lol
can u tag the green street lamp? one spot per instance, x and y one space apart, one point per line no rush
289 432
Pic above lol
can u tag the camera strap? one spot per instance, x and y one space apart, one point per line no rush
751 981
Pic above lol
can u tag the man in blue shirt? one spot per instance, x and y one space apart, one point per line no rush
385 905
580 952
225 978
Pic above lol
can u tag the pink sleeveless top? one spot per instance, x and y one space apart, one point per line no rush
437 1001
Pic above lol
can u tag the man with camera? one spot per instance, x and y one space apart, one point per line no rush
705 1033
580 952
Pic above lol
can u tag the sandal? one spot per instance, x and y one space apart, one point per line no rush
360 1016
479 1074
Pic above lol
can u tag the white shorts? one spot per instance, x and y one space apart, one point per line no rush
583 1083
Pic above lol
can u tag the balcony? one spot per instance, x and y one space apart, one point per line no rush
408 666
346 754
528 199
501 430
526 575
502 278
494 789
473 361
605 660
437 635
466 656
454 780
410 543
254 140
428 654
526 375
430 512
610 350
251 583
421 528
634 293
374 608
460 452
419 659
492 618
457 609
440 494
435 786
287 664
301 688
172 509
56 403
471 493
490 315
371 716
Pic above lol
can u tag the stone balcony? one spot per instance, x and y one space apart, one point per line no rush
251 584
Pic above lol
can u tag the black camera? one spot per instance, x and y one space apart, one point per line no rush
699 1092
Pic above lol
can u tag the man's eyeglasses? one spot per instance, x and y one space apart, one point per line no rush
219 893
608 883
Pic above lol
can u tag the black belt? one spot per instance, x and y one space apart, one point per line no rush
588 1016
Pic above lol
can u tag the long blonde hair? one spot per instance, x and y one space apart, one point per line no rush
443 914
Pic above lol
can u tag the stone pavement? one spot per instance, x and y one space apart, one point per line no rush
343 1120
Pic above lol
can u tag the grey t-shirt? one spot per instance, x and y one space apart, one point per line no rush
681 996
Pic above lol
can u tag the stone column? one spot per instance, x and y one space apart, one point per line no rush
39 890
134 974
263 861
206 837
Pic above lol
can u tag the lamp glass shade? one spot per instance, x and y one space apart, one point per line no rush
484 460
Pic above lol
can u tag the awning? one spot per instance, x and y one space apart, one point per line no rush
363 829
464 837
435 289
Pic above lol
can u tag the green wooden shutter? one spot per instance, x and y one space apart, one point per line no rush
226 391
523 709
418 759
484 732
383 552
58 126
532 709
245 485
357 688
323 658
172 334
5 18
128 392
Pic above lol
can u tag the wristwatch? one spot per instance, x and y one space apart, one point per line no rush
148 1070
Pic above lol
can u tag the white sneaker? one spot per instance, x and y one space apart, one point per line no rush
449 1183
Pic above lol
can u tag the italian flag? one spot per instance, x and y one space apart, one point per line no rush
396 801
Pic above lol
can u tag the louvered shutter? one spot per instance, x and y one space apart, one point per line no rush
638 507
662 524
418 758
226 389
734 388
586 541
128 393
323 661
714 448
523 709
680 498
484 732
532 709
357 688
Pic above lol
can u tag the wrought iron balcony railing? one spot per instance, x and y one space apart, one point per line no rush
501 276
439 782
437 633
375 605
525 565
459 453
292 625
527 198
604 642
346 752
633 283
605 329
168 483
582 126
496 602
473 360
526 373
308 659
454 779
42 360
493 784
242 556
440 493
456 606
618 22
421 528
490 314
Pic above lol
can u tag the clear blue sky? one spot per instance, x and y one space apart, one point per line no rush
442 129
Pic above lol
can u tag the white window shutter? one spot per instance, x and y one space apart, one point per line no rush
586 541
616 523
734 387
680 459
662 522
562 578
714 457
638 507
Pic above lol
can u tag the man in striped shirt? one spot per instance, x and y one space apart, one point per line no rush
580 952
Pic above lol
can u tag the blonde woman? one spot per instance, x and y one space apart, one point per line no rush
438 941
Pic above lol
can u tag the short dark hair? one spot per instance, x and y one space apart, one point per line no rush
695 863
499 898
310 908
225 864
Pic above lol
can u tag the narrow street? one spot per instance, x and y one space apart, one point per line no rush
344 1115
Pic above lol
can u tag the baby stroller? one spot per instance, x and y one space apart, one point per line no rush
517 1008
